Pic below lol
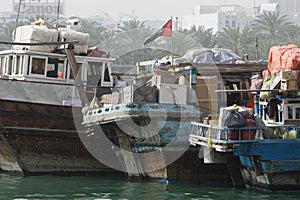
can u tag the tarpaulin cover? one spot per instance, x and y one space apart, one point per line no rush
284 58
217 56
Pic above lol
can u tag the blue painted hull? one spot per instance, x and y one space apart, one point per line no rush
272 165
265 162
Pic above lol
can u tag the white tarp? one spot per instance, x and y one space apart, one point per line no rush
68 35
35 34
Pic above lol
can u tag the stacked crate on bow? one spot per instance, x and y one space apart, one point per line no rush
168 90
289 79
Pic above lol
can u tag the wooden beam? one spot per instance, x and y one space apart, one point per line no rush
78 84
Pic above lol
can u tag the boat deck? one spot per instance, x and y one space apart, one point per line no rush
221 139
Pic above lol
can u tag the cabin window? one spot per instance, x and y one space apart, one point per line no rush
17 68
51 70
82 72
71 76
8 60
297 113
94 68
94 73
38 65
20 61
69 72
106 76
55 66
1 66
61 68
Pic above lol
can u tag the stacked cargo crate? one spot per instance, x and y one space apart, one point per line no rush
289 79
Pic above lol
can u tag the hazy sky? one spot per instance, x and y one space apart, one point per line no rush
144 9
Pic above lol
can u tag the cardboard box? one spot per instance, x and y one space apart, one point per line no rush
171 93
290 74
206 87
289 84
164 79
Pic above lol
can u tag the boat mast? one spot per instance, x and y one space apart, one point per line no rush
17 20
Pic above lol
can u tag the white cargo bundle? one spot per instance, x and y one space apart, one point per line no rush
68 35
35 34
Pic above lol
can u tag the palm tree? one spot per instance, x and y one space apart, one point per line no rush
7 33
248 43
204 37
126 41
97 33
230 39
132 25
128 38
239 41
291 34
271 24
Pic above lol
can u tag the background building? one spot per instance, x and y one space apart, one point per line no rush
217 17
291 8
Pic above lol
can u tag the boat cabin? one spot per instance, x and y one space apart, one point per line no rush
54 68
22 64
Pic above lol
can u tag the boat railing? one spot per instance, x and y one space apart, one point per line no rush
204 134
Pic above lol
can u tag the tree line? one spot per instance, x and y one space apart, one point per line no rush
126 42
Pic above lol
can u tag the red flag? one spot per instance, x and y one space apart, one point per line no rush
167 29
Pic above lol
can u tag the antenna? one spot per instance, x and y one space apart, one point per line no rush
58 10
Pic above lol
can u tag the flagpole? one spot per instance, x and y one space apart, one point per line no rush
172 61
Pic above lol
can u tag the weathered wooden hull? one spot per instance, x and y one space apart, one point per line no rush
152 143
42 139
271 166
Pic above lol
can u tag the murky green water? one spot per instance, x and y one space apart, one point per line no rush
57 187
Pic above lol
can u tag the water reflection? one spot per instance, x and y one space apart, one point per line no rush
85 188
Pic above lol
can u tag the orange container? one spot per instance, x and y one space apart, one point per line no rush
233 135
59 75
249 133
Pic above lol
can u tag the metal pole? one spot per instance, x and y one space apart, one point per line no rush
58 10
256 46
